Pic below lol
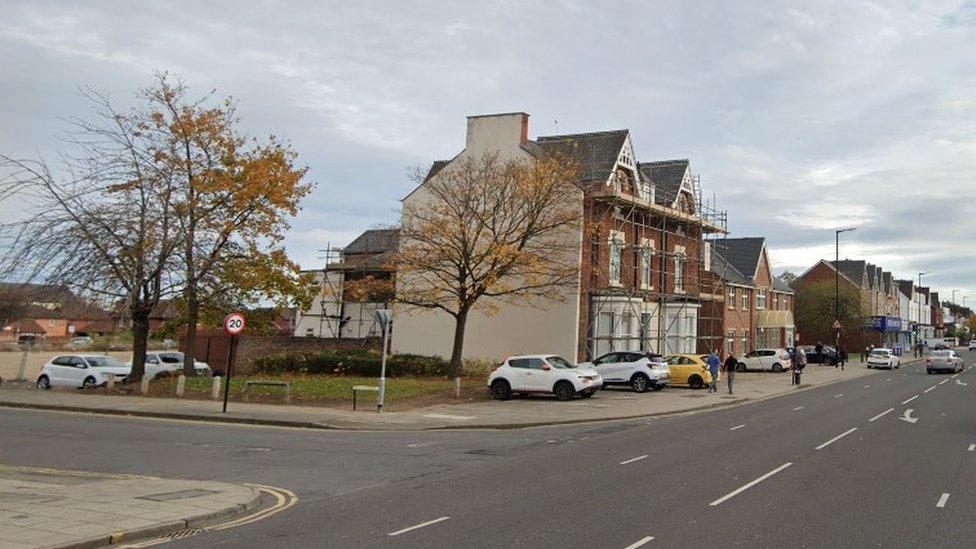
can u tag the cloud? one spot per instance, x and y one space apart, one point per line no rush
800 117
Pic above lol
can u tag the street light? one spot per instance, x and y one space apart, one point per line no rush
918 335
837 281
954 296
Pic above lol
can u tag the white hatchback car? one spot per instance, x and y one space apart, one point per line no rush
543 374
80 371
775 360
883 358
169 361
642 371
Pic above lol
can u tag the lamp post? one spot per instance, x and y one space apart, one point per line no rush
837 282
954 296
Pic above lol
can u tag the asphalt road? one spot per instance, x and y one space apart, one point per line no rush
817 468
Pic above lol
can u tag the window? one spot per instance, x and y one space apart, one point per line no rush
616 246
626 333
526 363
645 266
731 297
745 340
745 298
609 358
62 361
50 322
730 342
761 298
679 270
645 326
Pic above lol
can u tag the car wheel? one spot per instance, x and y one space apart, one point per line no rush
740 367
501 390
696 382
564 390
778 368
639 383
928 371
88 383
43 383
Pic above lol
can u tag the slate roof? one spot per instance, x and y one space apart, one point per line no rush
905 286
435 168
852 269
596 152
780 286
724 269
374 241
741 253
872 271
887 278
666 175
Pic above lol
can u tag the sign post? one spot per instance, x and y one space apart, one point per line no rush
385 318
233 326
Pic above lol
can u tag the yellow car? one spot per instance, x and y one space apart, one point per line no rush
689 370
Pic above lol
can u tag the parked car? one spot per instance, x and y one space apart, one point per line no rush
690 370
80 371
972 345
943 361
642 371
169 361
829 355
883 358
774 360
80 342
543 374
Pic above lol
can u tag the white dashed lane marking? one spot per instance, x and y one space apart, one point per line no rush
836 438
942 500
745 487
737 427
640 542
418 526
631 460
909 400
882 414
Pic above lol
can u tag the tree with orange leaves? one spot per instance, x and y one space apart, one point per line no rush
490 231
233 202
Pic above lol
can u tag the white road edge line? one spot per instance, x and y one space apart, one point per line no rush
882 414
640 542
631 460
943 382
836 438
929 389
745 487
909 400
942 500
737 427
416 526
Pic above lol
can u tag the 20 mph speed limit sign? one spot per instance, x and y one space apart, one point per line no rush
234 323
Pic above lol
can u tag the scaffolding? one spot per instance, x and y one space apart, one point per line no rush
658 275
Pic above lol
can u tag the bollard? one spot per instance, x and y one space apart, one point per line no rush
180 385
144 388
215 388
110 382
457 387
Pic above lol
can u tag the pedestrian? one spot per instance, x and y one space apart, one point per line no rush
730 365
819 352
799 361
841 356
713 362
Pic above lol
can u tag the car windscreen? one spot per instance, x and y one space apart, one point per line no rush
103 361
559 362
171 358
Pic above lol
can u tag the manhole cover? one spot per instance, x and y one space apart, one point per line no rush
182 494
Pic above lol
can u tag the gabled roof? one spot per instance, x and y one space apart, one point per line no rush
374 241
726 271
853 269
829 265
905 287
742 253
666 175
887 278
435 168
780 286
595 152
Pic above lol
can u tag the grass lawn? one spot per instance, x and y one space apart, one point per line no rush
321 390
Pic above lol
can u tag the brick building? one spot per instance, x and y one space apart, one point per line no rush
747 307
639 254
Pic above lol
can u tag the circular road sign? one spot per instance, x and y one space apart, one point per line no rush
234 323
837 325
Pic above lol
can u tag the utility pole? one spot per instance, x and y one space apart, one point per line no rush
918 337
837 282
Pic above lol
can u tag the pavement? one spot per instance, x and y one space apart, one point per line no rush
536 410
879 458
42 507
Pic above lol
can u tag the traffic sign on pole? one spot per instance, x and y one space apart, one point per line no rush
233 326
234 323
837 325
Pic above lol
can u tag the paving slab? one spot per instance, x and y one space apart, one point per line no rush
607 404
66 509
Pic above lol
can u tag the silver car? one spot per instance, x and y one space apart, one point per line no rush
943 361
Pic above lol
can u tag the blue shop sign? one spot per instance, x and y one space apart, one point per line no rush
885 324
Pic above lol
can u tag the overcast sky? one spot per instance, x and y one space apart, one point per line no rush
799 117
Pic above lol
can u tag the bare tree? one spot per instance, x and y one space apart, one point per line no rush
488 231
101 222
14 303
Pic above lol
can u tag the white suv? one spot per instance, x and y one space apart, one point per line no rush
776 360
80 371
642 371
542 374
883 358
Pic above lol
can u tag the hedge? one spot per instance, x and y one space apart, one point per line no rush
349 362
